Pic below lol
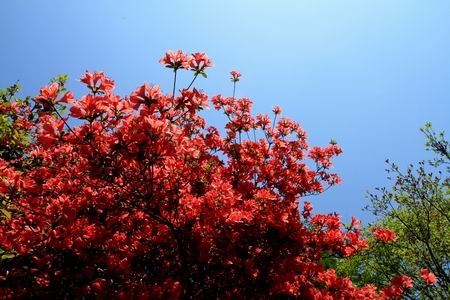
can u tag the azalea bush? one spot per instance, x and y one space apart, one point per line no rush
143 200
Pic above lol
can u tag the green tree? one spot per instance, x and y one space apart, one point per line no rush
417 208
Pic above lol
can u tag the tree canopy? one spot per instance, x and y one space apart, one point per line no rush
417 209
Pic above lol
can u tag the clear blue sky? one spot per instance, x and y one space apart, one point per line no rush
366 73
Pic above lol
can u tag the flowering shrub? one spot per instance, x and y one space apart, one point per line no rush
144 200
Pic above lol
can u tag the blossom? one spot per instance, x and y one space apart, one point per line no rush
384 235
48 94
277 110
235 76
398 285
355 222
67 98
200 62
323 155
176 60
146 94
193 100
98 82
428 276
402 280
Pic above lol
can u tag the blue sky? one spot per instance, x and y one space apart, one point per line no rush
366 73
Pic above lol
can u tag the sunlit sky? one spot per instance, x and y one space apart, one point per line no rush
368 74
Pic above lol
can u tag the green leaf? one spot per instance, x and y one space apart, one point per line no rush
8 256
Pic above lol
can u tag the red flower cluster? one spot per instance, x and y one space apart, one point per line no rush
384 235
48 96
197 62
176 60
398 286
141 200
48 93
200 61
428 276
276 110
235 76
98 82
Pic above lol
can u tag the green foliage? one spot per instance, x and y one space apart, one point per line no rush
417 208
18 117
12 137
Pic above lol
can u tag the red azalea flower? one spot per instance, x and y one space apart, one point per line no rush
235 76
67 98
177 60
146 94
48 94
398 285
355 222
403 281
97 81
277 109
428 276
384 234
200 62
